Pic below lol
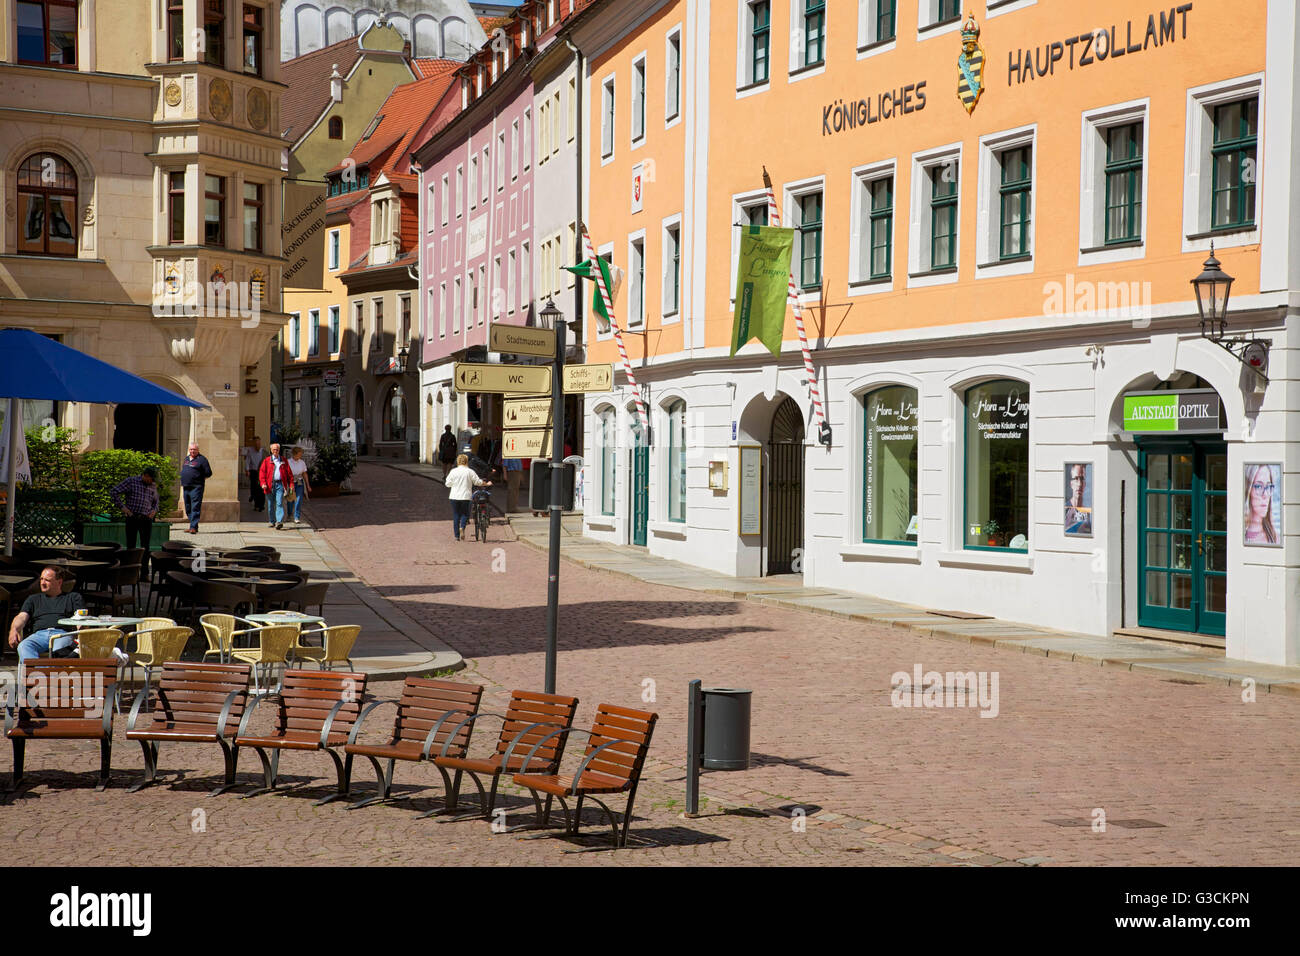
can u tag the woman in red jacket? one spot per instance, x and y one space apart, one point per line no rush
273 468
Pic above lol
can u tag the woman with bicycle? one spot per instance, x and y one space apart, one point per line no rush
462 481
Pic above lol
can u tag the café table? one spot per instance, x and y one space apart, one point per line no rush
293 617
259 586
10 579
105 620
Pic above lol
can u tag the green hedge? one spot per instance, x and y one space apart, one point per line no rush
101 470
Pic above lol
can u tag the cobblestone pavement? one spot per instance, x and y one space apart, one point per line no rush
1184 773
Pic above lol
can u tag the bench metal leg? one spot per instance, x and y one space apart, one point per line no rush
20 747
270 770
342 791
542 818
383 782
232 758
450 795
150 766
105 761
486 800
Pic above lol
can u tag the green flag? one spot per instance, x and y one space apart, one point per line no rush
762 282
613 279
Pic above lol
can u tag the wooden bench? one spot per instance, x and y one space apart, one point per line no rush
616 749
430 714
317 711
63 699
198 703
532 720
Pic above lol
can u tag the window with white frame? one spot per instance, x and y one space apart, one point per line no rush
1112 206
573 109
676 470
636 281
487 173
473 181
510 281
557 122
334 330
293 334
807 34
501 161
471 300
313 332
672 267
936 198
673 77
755 43
377 334
514 150
526 150
807 223
336 247
638 101
430 312
442 309
430 208
358 325
445 196
456 307
460 191
607 118
1224 128
494 301
480 291
872 253
1004 234
544 130
748 210
936 12
608 470
570 252
525 293
877 22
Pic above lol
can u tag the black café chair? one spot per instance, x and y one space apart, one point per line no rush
121 587
302 597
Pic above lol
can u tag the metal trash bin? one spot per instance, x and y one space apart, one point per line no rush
726 728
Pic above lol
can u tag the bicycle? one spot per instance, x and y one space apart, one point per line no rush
482 519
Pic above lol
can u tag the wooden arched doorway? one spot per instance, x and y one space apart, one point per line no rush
785 488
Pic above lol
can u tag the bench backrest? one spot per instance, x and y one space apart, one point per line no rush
424 702
307 697
194 693
66 688
630 732
529 707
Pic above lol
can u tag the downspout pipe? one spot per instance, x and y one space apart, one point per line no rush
578 297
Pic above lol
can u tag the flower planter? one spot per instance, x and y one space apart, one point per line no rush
114 532
325 489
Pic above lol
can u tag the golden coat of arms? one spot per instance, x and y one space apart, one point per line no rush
970 64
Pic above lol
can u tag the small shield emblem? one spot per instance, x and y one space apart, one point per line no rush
970 66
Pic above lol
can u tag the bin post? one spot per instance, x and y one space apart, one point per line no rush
694 754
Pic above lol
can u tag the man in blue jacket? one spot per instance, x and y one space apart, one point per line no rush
195 471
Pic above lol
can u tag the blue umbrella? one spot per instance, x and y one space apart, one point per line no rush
33 366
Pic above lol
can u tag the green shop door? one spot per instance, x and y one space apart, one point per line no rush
640 493
1183 536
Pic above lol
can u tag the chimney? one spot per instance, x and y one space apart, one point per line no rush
336 85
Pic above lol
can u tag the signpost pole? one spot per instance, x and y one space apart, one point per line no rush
557 488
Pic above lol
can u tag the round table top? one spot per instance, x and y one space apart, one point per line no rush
286 619
251 581
76 547
74 563
103 620
16 578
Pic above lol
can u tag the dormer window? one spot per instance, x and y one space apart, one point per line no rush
369 129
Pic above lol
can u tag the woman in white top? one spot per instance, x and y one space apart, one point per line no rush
462 481
301 484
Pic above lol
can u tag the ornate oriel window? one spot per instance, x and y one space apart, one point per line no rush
47 206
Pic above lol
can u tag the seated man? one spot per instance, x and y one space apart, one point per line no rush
44 611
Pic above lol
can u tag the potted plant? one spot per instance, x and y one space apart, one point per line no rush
333 464
100 470
994 531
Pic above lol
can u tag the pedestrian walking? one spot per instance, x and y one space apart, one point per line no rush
514 475
137 496
462 481
301 483
276 479
446 451
254 455
195 471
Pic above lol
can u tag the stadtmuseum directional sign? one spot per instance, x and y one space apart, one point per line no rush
517 340
589 378
472 377
526 444
528 413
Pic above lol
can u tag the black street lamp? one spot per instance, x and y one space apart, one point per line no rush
552 318
1212 287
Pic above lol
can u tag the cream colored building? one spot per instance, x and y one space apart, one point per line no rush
140 176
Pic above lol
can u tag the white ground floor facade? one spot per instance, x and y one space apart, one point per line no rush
976 513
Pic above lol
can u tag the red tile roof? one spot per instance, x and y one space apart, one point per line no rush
491 23
428 66
403 113
308 81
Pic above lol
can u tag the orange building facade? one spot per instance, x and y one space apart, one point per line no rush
997 216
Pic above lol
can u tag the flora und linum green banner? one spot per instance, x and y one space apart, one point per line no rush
762 281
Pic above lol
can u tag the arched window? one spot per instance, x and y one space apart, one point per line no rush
395 415
47 32
47 206
889 457
608 439
336 127
997 465
677 461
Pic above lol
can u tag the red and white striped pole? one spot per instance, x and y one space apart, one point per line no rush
589 253
792 298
